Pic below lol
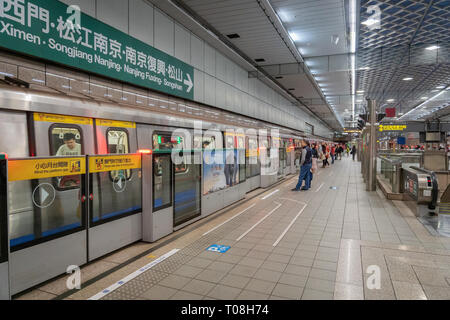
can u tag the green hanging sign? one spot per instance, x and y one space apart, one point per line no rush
56 32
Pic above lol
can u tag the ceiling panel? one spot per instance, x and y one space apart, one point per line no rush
402 48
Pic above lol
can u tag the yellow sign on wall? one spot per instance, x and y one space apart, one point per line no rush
392 127
115 123
111 163
47 117
45 168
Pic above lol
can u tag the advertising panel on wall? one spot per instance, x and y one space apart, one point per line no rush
53 31
220 170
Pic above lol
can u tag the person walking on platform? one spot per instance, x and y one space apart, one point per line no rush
354 152
332 153
305 167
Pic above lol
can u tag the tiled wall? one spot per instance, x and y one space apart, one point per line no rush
218 81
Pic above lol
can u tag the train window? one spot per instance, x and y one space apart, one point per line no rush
118 144
117 141
66 140
229 142
209 143
197 142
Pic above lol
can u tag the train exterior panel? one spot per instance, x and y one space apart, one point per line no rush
98 212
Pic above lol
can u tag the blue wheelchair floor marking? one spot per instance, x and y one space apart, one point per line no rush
218 248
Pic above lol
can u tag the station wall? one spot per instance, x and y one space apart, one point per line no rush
218 81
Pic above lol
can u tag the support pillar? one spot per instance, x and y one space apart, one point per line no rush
371 183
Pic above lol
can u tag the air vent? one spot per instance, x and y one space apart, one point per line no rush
291 89
233 36
279 77
260 60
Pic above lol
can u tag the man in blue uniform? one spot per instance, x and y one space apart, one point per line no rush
305 167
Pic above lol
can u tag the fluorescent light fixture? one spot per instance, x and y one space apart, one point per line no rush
390 100
364 68
369 22
360 91
424 98
432 48
6 74
294 36
358 100
440 87
423 103
407 79
353 26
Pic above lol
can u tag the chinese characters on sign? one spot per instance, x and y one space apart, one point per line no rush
46 29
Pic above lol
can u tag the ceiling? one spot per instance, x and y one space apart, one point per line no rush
404 61
262 37
306 47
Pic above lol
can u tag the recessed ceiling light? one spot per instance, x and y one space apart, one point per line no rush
432 48
407 79
369 22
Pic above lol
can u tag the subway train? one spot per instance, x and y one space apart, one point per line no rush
57 222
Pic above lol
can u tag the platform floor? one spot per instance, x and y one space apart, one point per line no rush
316 244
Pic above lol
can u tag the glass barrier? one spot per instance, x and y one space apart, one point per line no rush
3 212
39 207
388 170
187 191
115 186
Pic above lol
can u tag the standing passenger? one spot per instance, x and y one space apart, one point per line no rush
354 152
305 167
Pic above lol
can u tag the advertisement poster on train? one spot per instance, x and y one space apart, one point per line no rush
220 170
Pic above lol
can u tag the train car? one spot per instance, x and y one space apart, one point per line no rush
74 219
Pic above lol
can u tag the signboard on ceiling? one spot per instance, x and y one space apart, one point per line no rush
390 112
395 127
56 32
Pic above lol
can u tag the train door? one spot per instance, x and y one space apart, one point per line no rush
116 195
4 250
185 167
14 143
49 233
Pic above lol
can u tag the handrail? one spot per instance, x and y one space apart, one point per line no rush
392 161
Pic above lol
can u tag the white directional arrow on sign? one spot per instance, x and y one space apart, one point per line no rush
189 83
44 195
119 183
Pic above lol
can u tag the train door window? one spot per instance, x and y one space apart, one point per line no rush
209 143
197 142
117 139
229 142
66 140
241 154
164 141
162 181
